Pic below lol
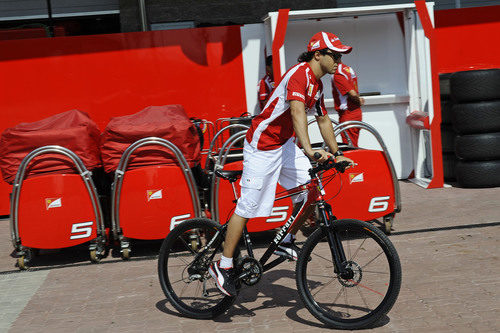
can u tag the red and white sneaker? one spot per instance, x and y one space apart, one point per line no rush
224 277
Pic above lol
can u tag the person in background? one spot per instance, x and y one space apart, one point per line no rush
266 84
347 100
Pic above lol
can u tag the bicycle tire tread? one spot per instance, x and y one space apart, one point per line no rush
388 301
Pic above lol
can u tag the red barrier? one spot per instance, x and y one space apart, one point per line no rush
153 201
467 38
55 211
365 191
117 74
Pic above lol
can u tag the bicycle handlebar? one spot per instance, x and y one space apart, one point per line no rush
329 164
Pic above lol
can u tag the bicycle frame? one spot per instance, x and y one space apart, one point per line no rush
314 197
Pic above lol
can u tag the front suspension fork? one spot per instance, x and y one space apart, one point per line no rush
334 242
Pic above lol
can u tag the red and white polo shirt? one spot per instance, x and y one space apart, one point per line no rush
266 86
274 126
343 81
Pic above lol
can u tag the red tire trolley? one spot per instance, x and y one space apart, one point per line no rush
149 201
55 211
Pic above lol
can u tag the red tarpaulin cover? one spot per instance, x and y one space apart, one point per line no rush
71 129
169 122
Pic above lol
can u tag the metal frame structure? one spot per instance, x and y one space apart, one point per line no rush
120 174
224 152
96 244
213 144
219 164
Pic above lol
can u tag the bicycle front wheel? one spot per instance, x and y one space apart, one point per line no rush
369 286
183 269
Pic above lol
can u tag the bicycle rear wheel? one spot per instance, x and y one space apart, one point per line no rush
362 296
183 270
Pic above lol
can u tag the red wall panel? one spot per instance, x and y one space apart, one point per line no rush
468 38
119 74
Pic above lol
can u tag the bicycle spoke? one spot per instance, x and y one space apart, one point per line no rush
362 297
186 281
363 283
369 262
346 302
370 289
357 250
324 286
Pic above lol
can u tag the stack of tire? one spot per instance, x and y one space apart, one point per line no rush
447 132
475 115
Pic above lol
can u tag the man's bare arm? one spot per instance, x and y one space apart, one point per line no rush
326 130
299 118
354 96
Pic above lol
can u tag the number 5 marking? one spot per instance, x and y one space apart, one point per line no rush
82 230
279 214
379 204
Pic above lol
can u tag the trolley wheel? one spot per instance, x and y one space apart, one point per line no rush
125 253
95 257
388 222
22 263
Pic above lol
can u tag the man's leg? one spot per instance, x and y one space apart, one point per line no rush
222 271
233 234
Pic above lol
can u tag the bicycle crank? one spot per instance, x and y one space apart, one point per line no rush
250 271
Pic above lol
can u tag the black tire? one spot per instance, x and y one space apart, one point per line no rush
446 115
478 147
475 118
449 165
447 139
478 85
381 281
444 85
176 255
478 174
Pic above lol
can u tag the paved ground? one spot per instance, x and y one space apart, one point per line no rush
447 239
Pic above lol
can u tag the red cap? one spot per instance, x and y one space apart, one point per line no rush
327 40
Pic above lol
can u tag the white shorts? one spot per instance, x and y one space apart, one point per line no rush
262 170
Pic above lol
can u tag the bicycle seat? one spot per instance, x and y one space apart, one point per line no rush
231 175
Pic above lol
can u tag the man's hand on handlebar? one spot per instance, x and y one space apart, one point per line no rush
321 156
339 159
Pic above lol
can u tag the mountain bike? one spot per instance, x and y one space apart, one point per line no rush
348 273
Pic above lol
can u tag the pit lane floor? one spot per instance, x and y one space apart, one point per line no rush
447 239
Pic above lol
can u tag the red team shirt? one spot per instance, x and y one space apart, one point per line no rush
343 81
274 126
266 86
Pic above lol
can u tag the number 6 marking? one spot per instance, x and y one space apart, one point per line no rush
379 204
82 230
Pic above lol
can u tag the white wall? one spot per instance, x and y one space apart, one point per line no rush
378 57
254 66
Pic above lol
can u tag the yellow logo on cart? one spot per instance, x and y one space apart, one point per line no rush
154 194
53 203
356 178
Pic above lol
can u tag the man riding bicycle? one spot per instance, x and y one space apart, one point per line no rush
270 152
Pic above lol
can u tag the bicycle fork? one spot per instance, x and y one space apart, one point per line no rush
334 242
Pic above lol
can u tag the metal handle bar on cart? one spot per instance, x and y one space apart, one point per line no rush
122 167
220 121
82 170
210 128
221 161
336 123
214 140
359 124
